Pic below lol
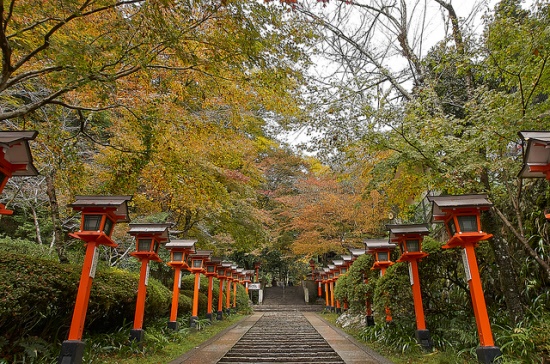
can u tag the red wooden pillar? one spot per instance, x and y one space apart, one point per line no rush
179 252
381 250
409 238
197 267
228 291
148 239
83 295
327 295
221 278
211 268
175 299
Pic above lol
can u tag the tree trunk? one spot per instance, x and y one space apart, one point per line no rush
58 231
36 225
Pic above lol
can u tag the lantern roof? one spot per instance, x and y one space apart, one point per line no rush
356 252
18 152
406 229
159 230
326 270
378 244
442 204
536 154
118 203
226 264
331 266
203 254
347 258
338 262
188 244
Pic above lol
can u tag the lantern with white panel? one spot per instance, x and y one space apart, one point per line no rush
461 216
180 250
15 158
197 266
211 270
536 156
381 249
99 214
148 239
409 238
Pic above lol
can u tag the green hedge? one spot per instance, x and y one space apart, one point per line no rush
38 298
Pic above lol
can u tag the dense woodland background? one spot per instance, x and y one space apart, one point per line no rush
182 104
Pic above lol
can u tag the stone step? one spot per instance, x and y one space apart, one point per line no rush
282 337
304 308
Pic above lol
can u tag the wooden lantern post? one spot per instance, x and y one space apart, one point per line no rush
318 280
230 272
325 278
381 250
98 218
536 156
179 251
331 280
461 216
211 272
196 267
221 277
409 238
237 273
15 158
148 239
338 265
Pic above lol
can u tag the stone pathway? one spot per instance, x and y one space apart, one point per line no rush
283 330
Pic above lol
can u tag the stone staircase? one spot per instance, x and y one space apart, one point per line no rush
282 337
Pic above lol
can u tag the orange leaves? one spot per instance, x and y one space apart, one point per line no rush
328 214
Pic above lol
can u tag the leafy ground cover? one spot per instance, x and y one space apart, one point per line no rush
161 345
410 354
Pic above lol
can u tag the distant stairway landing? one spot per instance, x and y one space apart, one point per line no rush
285 299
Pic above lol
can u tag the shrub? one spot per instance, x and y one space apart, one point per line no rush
350 287
39 298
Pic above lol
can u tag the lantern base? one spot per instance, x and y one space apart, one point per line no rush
137 335
173 325
488 354
424 339
193 321
72 352
219 315
370 320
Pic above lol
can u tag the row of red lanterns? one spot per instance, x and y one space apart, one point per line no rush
461 216
99 214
